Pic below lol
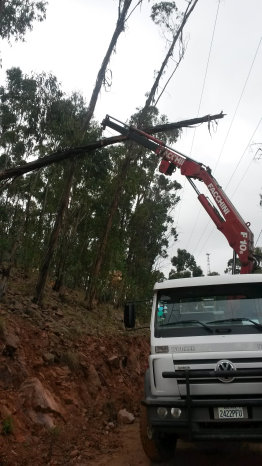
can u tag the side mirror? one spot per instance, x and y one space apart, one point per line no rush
129 315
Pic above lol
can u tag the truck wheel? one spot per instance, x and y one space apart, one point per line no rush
158 449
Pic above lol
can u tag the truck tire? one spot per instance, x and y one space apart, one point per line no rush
158 449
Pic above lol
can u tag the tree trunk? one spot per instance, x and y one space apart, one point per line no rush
62 155
6 267
2 4
91 292
152 93
63 206
102 72
43 273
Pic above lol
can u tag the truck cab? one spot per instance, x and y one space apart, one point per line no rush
204 380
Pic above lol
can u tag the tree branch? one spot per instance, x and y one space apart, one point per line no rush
59 156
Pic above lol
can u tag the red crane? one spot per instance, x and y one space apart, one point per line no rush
225 216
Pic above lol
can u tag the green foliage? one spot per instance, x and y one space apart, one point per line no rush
7 425
163 12
257 268
71 359
174 274
18 16
228 270
167 16
38 118
258 255
197 271
185 265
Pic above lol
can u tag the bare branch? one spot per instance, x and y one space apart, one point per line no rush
79 152
132 11
181 56
152 93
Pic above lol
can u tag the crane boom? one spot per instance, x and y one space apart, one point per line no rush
224 215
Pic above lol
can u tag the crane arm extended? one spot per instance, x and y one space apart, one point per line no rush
224 215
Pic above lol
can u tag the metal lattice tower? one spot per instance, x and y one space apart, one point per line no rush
208 264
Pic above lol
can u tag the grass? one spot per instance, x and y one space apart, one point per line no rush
71 359
7 425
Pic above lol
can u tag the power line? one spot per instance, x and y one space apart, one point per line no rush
207 66
229 129
200 102
238 163
258 237
240 181
212 230
239 101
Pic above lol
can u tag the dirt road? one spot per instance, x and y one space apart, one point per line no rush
130 453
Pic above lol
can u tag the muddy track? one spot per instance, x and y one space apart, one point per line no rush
130 452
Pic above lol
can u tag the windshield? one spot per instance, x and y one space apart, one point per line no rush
209 309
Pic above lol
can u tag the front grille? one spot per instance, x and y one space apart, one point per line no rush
186 362
225 397
216 381
204 371
198 374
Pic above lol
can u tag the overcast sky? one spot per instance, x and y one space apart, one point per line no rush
223 64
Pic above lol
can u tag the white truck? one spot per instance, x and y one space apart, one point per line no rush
205 368
204 380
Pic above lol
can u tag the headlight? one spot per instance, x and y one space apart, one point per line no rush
161 411
176 412
161 349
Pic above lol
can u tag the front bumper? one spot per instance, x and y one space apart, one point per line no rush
197 420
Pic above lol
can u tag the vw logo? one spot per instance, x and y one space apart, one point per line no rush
225 366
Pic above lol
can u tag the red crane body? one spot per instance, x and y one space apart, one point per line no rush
225 216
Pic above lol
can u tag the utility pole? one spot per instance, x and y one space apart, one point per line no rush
208 264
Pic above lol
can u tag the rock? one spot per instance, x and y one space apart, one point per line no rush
133 364
17 306
12 375
11 344
124 417
93 380
37 402
114 362
4 412
70 399
6 376
41 419
48 358
34 306
74 453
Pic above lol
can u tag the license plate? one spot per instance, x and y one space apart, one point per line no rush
237 412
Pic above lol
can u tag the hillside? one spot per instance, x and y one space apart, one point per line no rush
65 373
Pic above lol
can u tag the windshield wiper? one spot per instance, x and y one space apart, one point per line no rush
237 319
209 329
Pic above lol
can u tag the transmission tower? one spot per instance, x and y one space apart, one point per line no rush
257 149
208 264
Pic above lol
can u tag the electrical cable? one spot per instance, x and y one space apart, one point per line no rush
238 104
258 237
199 106
230 126
238 163
247 146
206 70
